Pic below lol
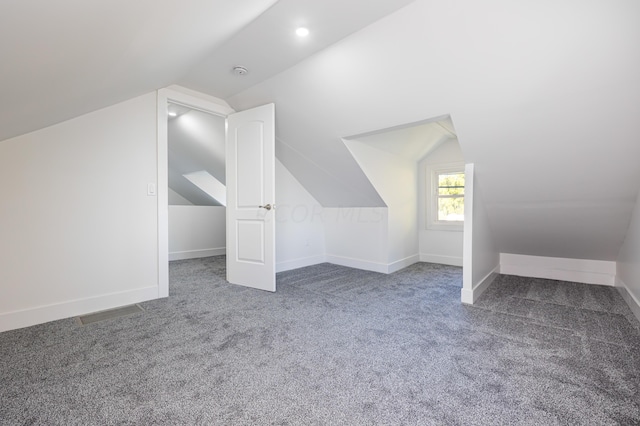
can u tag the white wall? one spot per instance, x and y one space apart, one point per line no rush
628 263
533 88
79 232
176 199
357 237
196 231
199 231
299 224
481 259
395 178
435 245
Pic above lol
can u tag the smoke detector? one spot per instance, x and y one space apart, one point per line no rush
240 70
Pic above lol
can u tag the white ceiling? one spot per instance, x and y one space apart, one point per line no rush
544 95
413 142
268 46
64 58
196 143
545 98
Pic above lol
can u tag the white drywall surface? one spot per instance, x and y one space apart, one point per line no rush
79 232
196 231
438 246
299 224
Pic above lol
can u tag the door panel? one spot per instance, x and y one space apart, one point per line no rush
250 241
249 172
251 188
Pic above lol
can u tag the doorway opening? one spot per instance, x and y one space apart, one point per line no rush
248 174
196 183
183 103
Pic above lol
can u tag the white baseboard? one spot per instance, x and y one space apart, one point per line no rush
575 270
300 263
402 263
57 311
367 265
195 254
629 297
358 263
443 260
469 297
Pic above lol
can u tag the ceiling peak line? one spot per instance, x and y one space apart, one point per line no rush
324 170
392 128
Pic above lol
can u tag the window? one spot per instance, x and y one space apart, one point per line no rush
446 200
450 196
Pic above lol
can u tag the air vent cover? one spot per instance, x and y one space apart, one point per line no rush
110 314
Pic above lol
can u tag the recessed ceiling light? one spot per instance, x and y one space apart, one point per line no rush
302 32
173 114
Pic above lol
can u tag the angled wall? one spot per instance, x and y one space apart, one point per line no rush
395 178
300 238
628 264
196 144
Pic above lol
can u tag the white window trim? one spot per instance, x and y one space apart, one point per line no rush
432 170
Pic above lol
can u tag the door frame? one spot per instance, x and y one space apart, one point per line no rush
193 100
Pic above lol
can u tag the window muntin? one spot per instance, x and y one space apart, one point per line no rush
450 196
444 196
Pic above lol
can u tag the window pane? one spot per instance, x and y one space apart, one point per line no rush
451 184
451 209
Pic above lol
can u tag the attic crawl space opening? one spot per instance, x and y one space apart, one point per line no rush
418 170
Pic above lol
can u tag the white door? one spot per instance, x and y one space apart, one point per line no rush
250 175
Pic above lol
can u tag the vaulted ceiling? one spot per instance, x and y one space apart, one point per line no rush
196 145
64 58
544 96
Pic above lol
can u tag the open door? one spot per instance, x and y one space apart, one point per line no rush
250 176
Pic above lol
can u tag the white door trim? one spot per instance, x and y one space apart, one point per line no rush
193 100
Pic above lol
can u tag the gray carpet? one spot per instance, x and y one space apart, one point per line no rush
334 346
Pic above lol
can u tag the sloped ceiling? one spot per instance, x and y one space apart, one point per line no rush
544 95
196 143
545 98
64 58
267 46
413 142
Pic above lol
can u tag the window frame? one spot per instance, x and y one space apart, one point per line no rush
432 173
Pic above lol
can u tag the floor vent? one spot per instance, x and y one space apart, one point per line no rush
109 314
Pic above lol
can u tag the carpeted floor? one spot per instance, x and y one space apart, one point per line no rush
334 346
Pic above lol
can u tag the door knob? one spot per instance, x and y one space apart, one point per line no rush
266 207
